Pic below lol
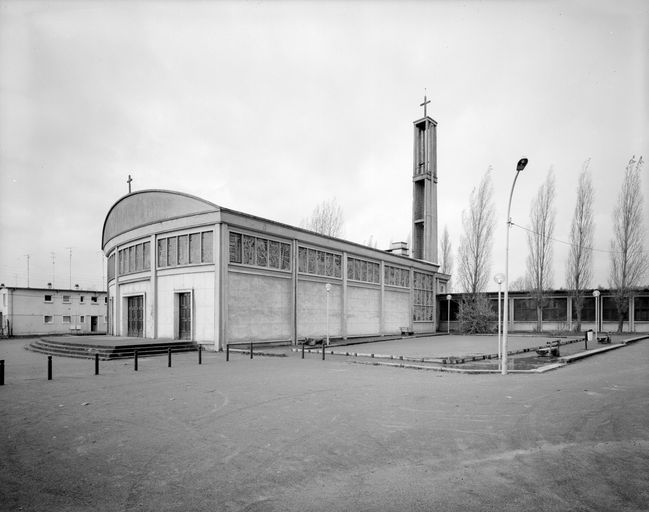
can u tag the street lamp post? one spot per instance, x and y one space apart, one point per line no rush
499 278
448 314
328 288
596 295
519 167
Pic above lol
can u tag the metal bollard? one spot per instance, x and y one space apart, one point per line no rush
250 349
302 350
169 357
227 352
323 350
135 360
96 364
2 372
49 367
200 354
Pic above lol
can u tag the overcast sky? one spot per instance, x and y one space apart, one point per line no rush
272 107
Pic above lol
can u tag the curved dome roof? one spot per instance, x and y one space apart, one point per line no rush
150 206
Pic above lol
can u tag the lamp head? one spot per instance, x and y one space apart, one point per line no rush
521 164
499 278
448 297
596 293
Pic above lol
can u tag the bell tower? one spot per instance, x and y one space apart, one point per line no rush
424 189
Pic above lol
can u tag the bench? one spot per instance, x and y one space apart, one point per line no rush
551 350
406 331
604 339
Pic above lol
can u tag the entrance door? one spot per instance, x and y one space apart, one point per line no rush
135 316
93 324
185 316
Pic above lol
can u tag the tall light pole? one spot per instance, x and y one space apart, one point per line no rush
328 289
596 295
499 278
448 314
519 167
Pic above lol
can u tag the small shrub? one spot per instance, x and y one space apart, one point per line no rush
475 315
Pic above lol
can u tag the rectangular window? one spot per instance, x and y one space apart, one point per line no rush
66 319
609 309
235 248
248 250
524 310
641 309
82 319
81 299
424 309
93 300
146 256
183 250
162 252
66 299
172 251
262 252
48 298
47 319
301 259
207 238
588 310
131 259
362 270
110 267
555 310
139 260
312 257
274 258
195 248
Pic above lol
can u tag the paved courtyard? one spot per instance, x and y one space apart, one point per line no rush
285 434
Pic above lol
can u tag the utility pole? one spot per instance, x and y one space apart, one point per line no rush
70 250
53 268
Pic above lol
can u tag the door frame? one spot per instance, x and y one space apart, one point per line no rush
124 312
177 293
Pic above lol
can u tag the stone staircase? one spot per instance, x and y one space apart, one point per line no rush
106 351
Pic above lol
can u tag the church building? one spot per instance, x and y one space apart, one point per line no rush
182 267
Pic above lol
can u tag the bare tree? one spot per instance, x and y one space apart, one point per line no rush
474 254
518 285
539 240
446 251
579 269
326 219
629 262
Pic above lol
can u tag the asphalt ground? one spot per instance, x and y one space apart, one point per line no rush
285 434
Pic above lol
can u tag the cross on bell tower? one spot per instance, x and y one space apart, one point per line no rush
129 180
424 188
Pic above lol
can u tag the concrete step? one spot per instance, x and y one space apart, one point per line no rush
106 351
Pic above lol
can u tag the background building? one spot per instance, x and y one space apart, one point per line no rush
36 311
559 313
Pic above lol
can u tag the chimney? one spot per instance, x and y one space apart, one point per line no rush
49 285
76 286
400 248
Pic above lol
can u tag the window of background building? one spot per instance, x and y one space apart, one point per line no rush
48 298
66 319
641 309
48 319
66 299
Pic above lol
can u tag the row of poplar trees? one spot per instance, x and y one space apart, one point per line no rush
629 263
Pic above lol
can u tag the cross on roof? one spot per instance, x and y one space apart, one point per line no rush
129 183
426 102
